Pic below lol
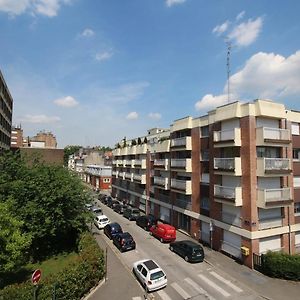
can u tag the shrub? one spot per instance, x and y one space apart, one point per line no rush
74 282
281 265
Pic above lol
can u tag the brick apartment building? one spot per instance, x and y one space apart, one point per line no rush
230 179
16 137
6 109
98 176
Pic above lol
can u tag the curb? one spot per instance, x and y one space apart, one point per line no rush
93 290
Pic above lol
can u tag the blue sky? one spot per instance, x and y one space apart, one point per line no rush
93 72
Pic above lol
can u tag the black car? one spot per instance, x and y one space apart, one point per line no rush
189 250
124 241
104 199
146 221
109 201
131 213
112 229
119 208
112 203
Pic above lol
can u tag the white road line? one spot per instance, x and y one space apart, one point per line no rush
180 291
230 284
198 288
212 284
136 298
163 295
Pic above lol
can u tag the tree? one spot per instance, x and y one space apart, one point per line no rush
13 243
69 150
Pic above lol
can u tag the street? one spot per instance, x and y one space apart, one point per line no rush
218 277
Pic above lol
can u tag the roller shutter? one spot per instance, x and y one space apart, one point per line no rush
205 233
232 243
272 243
164 214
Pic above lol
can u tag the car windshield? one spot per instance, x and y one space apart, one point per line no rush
103 220
157 275
135 211
196 251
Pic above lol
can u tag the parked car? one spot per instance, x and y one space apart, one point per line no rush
189 250
131 213
101 221
146 222
150 274
164 232
112 203
103 199
112 229
109 200
97 211
119 208
124 241
88 206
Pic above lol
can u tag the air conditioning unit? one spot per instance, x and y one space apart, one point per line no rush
245 251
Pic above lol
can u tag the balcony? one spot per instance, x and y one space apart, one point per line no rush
162 146
272 136
140 178
183 143
273 166
182 164
140 163
228 195
231 219
161 164
122 175
129 176
128 163
182 186
226 166
269 198
131 150
115 173
161 182
227 138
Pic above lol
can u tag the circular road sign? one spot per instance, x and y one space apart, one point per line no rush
36 276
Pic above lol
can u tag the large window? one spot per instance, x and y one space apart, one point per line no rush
204 203
296 154
204 131
297 209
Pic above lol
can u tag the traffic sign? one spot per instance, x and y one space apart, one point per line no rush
36 276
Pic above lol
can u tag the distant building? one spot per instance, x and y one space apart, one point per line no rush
98 176
41 140
6 109
16 137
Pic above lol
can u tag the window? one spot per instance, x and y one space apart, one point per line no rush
295 129
106 180
296 181
204 131
205 155
144 272
205 203
296 154
297 209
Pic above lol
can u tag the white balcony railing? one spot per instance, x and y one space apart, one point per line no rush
231 135
182 163
273 166
140 178
267 135
228 165
274 197
229 194
161 181
185 142
183 185
161 163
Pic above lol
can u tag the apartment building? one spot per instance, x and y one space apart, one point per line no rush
6 108
16 137
98 176
230 179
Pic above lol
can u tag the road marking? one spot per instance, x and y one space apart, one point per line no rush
212 284
198 288
229 283
163 295
180 291
136 298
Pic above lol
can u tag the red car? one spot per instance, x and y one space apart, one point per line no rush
164 232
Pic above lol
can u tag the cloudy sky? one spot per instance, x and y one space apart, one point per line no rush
93 72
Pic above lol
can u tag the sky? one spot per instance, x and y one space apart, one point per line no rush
93 72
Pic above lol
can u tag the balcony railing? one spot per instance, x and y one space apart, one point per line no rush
228 194
267 198
273 166
182 163
122 175
266 135
161 163
129 176
115 173
183 142
182 185
162 181
140 178
183 204
140 163
232 137
228 165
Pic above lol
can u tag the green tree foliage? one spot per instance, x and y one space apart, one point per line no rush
48 200
69 150
13 242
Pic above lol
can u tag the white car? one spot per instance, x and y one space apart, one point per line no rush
101 221
150 274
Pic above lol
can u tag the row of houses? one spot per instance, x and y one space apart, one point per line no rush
230 179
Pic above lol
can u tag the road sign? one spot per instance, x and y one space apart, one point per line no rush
36 276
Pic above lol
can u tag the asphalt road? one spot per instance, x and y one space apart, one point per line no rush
218 277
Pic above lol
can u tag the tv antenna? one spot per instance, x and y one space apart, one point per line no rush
228 43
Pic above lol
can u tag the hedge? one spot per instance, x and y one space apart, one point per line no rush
281 265
72 283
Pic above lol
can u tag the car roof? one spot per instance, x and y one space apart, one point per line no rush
189 243
101 217
125 235
166 226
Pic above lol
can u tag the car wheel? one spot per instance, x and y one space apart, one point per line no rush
186 258
161 240
171 248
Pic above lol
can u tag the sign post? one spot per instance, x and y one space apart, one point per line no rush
35 278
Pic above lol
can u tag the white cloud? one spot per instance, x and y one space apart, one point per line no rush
211 101
170 3
42 119
101 56
264 76
132 115
67 101
154 116
87 32
240 15
48 8
246 33
219 29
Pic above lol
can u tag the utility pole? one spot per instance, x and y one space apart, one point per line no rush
228 43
